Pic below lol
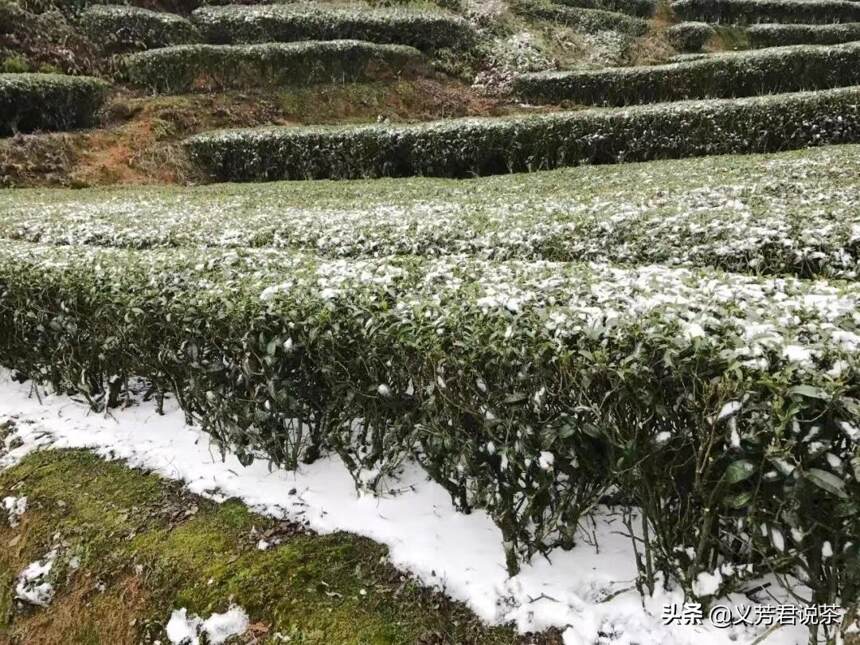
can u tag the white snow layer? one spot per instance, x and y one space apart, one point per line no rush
32 585
183 629
587 592
15 508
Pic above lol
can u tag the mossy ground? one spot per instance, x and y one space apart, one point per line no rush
146 547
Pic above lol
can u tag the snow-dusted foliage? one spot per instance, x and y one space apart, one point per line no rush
795 213
464 147
307 21
641 8
776 35
590 20
785 69
121 28
716 402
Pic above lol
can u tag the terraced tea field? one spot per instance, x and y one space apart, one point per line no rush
582 337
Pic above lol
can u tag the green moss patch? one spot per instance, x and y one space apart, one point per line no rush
146 547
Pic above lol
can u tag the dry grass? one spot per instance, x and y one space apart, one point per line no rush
139 140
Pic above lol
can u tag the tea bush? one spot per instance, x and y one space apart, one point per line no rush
726 407
290 22
463 147
690 36
31 102
212 67
121 29
638 8
771 35
580 18
790 69
780 11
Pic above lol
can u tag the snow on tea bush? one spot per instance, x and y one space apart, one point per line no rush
639 8
724 406
120 28
794 213
787 69
587 20
289 22
775 35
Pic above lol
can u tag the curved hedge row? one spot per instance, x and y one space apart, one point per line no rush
76 7
788 69
775 35
464 147
780 11
638 8
794 213
285 23
193 67
31 102
582 19
717 404
119 28
690 36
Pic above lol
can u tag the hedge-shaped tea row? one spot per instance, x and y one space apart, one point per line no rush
780 11
284 23
690 36
463 147
772 35
712 402
31 102
789 69
638 8
74 8
581 19
186 67
121 29
793 213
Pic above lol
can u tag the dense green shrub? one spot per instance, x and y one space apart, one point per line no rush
285 23
121 29
463 147
186 67
73 8
725 407
690 36
581 19
789 69
639 8
773 35
48 101
792 213
781 11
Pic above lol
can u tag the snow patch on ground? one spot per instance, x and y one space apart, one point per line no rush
15 508
183 629
32 585
587 592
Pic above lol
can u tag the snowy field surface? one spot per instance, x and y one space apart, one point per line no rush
586 592
789 213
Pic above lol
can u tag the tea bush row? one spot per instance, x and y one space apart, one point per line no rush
464 147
